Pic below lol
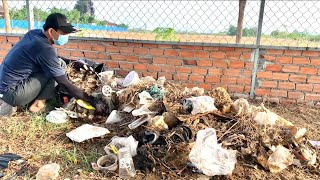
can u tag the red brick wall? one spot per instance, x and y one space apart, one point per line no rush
283 75
202 66
289 75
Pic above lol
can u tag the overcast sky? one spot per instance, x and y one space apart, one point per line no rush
200 16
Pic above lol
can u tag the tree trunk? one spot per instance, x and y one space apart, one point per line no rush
242 5
6 15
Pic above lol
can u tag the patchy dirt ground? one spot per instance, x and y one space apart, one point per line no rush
40 143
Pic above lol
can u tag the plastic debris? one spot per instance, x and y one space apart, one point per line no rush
128 108
126 166
156 93
209 157
150 137
57 117
280 159
84 104
300 133
138 122
266 118
143 110
114 117
315 144
120 142
158 122
241 107
309 156
145 98
48 172
107 91
107 163
71 114
200 104
86 132
105 76
131 79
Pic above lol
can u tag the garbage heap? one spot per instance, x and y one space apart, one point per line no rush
156 126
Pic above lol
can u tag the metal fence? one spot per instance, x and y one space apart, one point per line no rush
284 23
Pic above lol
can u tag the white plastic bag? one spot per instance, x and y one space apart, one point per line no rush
145 98
202 104
280 159
114 117
120 142
266 118
209 157
57 117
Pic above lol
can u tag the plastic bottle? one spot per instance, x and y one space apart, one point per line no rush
126 166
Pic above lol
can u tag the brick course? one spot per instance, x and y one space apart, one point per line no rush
285 75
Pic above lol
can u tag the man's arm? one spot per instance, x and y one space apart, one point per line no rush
73 90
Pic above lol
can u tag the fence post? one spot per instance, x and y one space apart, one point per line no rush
30 14
6 16
256 51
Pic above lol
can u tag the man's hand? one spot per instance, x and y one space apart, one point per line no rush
100 105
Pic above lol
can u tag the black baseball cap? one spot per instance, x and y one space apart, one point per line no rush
59 21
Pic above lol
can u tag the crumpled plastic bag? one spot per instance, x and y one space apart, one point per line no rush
280 159
266 118
145 98
209 157
114 117
202 104
57 117
120 142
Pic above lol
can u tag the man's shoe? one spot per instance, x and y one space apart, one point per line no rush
6 109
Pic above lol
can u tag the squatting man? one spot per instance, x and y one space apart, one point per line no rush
31 70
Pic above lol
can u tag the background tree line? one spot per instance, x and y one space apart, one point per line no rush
82 13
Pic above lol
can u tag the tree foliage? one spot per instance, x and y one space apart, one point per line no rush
166 34
246 32
295 35
74 15
232 31
85 7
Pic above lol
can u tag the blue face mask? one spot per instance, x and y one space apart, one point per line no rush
62 40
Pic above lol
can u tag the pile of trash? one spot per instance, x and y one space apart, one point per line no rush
164 128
